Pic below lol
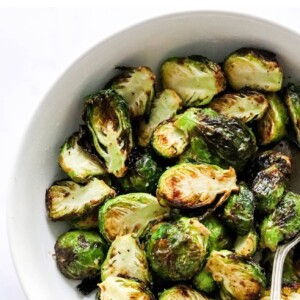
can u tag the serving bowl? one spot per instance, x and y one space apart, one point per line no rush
213 34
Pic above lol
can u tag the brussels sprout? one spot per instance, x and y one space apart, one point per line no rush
142 174
189 186
253 68
246 245
220 237
292 101
114 288
238 279
90 221
69 200
106 114
136 86
204 282
181 292
125 258
176 251
287 293
196 79
130 213
283 223
77 161
164 107
79 254
271 127
246 106
239 210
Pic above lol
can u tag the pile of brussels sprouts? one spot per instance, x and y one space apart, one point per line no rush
180 194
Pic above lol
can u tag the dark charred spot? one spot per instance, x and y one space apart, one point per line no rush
82 242
260 53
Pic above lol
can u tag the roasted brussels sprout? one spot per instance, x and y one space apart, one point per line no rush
239 210
283 223
136 86
114 288
246 106
67 200
164 107
237 279
126 259
253 68
176 251
107 117
196 79
90 221
271 127
246 245
189 186
122 215
204 282
181 292
79 254
287 293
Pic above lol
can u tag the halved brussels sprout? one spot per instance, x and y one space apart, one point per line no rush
77 161
130 213
69 200
204 282
287 293
196 79
283 224
292 101
107 116
239 210
79 254
136 86
189 186
181 292
238 279
115 288
253 68
126 259
246 245
271 127
164 107
90 221
177 250
246 106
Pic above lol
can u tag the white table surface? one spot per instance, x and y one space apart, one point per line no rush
36 45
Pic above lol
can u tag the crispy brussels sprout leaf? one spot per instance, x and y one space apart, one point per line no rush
176 251
204 282
246 245
107 117
196 79
125 258
68 200
122 215
164 107
271 127
246 106
253 68
190 186
283 224
181 292
114 288
238 279
136 86
90 221
79 254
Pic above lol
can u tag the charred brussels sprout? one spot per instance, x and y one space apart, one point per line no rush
204 282
79 254
196 79
114 288
283 223
136 86
126 259
271 127
122 215
190 186
68 200
238 279
246 106
164 107
181 292
90 221
106 114
239 210
176 251
246 245
253 68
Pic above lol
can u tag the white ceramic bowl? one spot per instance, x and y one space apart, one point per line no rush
212 34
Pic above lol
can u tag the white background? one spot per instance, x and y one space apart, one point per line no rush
36 46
